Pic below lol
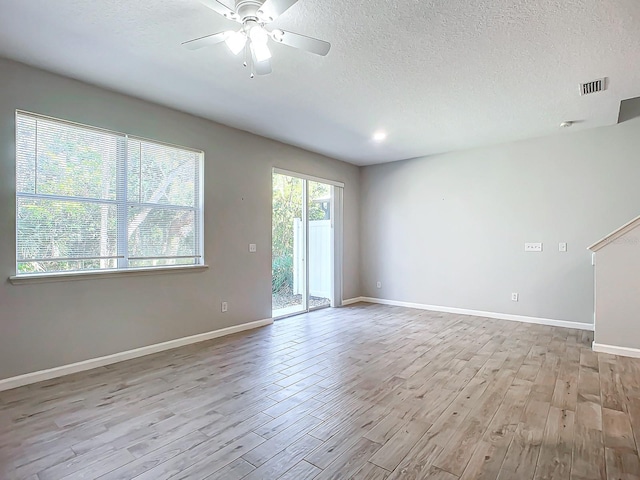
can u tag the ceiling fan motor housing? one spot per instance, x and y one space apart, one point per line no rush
248 9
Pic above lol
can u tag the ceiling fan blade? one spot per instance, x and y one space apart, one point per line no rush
206 41
261 68
313 45
220 8
272 9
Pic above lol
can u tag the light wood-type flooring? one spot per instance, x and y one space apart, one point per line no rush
363 392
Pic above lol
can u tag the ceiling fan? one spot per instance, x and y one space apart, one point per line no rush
253 38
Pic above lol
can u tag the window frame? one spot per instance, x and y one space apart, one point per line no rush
122 203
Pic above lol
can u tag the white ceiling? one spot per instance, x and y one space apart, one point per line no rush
437 75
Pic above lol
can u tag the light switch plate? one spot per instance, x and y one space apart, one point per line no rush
533 247
253 248
562 247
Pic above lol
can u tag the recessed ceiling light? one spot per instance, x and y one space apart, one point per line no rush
379 136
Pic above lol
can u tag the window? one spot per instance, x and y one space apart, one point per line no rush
90 199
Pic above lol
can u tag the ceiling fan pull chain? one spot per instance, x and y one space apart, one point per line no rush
251 65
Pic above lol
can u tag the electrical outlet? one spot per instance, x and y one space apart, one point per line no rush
225 307
533 247
379 284
514 297
253 248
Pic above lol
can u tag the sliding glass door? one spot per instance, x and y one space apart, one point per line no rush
303 244
320 239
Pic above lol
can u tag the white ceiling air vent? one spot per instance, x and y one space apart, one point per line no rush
593 87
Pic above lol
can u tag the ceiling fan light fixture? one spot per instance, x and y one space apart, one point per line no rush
236 41
259 35
260 51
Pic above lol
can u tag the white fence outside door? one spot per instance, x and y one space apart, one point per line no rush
320 242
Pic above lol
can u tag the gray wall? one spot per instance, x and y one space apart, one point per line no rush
449 230
52 324
617 292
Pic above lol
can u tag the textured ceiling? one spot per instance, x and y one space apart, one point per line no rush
437 75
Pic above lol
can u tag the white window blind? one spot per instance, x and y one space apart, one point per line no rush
89 199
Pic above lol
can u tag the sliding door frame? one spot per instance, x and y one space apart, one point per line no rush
336 255
305 239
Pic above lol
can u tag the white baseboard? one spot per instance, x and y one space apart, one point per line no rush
34 377
351 301
478 313
614 350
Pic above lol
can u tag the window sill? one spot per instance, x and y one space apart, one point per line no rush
129 272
